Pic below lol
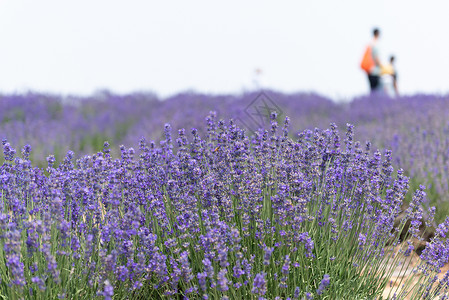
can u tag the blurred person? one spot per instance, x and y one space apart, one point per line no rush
371 62
389 78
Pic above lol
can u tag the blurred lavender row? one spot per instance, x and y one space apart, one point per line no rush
414 128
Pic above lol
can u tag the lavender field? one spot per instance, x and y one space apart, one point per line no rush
131 197
415 129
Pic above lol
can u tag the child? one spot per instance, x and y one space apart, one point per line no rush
389 79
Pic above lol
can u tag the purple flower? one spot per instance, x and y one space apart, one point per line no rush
286 266
259 284
238 271
108 290
222 280
296 294
324 284
209 269
16 268
122 273
267 255
39 282
362 240
202 280
223 257
186 271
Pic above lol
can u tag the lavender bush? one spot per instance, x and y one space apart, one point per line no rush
219 215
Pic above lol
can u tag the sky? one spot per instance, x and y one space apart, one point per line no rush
166 47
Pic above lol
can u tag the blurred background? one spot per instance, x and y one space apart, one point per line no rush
167 47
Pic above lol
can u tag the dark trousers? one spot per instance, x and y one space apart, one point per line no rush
374 81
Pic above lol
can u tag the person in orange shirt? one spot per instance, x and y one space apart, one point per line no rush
374 72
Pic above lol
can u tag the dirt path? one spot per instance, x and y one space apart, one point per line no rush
401 273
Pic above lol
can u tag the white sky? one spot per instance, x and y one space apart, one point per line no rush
79 46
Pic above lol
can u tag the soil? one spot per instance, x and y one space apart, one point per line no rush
401 273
